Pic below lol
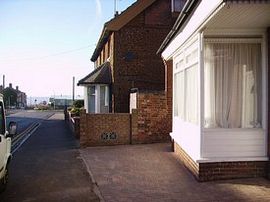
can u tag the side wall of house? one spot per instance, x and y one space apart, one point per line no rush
136 64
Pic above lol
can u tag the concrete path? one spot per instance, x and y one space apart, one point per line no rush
152 173
47 167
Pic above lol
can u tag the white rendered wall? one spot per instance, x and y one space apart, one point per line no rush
187 135
85 91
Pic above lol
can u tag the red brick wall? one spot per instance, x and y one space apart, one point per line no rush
151 118
221 170
231 170
136 64
184 158
148 123
99 129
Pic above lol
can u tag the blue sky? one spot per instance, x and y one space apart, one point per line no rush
44 43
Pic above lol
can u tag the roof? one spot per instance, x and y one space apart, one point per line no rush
180 21
118 22
101 75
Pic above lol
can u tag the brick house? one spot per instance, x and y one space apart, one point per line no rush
14 97
125 56
217 64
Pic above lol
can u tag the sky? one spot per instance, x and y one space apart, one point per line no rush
44 43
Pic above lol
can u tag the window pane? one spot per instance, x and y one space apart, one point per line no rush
179 95
91 99
232 85
192 94
103 107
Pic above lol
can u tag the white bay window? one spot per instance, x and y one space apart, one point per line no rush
98 99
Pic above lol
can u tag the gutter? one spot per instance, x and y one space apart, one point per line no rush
102 40
188 7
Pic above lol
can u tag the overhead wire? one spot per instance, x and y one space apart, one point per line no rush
47 56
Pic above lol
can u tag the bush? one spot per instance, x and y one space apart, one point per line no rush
78 103
76 111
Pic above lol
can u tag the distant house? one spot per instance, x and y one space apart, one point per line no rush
217 56
125 55
13 97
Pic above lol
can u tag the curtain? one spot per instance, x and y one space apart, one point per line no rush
179 102
192 94
232 80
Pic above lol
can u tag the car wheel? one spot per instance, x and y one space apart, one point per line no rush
4 181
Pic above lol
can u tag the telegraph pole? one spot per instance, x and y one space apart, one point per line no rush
73 89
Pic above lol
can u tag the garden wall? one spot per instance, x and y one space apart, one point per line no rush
147 123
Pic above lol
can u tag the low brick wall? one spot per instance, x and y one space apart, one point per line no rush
221 170
150 122
74 124
182 156
104 129
231 170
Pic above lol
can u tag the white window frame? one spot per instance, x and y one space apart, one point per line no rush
192 45
241 36
223 33
97 96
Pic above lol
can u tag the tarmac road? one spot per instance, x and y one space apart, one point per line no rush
47 167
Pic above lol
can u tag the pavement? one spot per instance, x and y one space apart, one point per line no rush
48 167
152 173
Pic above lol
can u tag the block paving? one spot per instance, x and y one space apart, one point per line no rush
151 172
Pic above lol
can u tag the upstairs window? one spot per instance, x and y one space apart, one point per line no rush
177 5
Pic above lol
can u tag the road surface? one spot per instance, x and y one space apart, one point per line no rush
47 167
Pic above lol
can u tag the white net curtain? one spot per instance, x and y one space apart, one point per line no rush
232 78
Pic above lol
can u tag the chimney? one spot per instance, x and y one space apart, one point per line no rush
10 85
1 88
17 88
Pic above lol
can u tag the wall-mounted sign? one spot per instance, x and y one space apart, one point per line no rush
109 136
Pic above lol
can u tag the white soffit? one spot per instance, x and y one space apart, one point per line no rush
241 16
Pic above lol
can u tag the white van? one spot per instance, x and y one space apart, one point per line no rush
5 145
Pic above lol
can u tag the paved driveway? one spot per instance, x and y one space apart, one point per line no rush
152 173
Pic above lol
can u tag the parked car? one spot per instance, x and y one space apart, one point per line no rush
5 145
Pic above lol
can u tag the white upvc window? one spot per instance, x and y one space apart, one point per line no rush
186 99
232 83
91 99
98 99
